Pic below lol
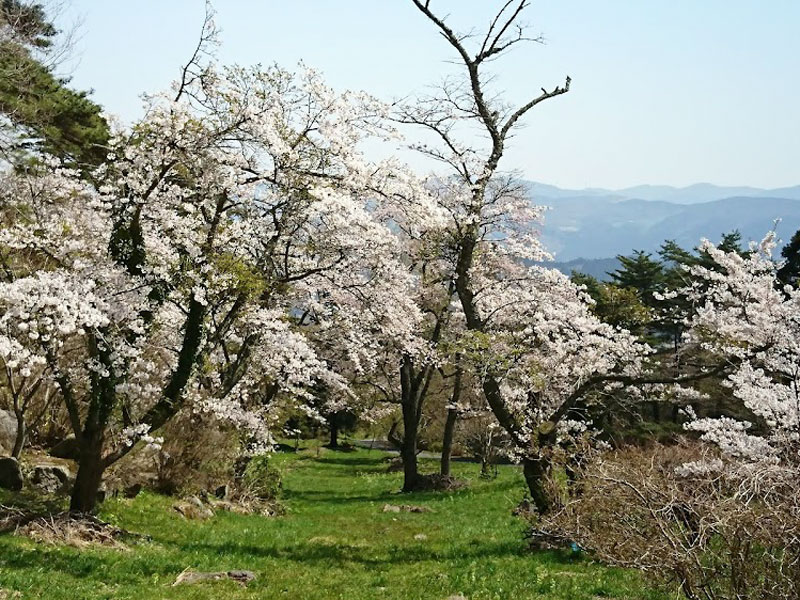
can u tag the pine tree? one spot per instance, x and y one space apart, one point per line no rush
789 273
44 114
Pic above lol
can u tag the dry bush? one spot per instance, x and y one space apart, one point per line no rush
198 454
718 534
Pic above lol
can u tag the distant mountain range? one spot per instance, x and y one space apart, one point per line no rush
599 224
693 194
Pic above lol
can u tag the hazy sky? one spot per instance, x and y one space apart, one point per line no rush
664 91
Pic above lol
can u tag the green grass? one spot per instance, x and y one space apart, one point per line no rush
334 542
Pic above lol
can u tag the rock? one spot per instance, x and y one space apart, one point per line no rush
395 465
524 509
193 508
405 508
10 474
51 479
420 537
8 431
132 490
66 448
415 509
190 577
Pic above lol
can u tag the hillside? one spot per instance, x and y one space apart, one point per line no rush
602 226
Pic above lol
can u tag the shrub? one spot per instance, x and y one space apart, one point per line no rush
197 455
689 520
262 479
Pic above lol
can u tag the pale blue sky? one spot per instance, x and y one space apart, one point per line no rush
664 91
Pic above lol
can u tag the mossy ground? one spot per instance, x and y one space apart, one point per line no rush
334 543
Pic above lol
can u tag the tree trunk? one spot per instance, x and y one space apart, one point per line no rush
333 425
536 472
90 473
450 424
19 440
447 440
408 448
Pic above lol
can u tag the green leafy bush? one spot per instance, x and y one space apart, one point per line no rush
262 479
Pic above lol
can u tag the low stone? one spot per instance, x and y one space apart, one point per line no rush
66 448
132 490
239 576
10 474
395 465
193 509
405 508
51 479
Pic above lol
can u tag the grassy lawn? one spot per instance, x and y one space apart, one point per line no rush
334 542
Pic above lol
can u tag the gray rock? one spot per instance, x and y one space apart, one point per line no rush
51 479
66 448
193 509
132 490
8 431
10 474
239 576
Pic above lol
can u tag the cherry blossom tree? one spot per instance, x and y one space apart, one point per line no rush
517 318
239 202
718 517
746 319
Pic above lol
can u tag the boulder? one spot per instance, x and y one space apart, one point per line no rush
51 479
66 448
8 431
132 490
10 474
193 509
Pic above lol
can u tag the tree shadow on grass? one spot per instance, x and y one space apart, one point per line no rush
102 565
344 553
353 461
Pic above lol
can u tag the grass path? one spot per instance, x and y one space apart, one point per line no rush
334 543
